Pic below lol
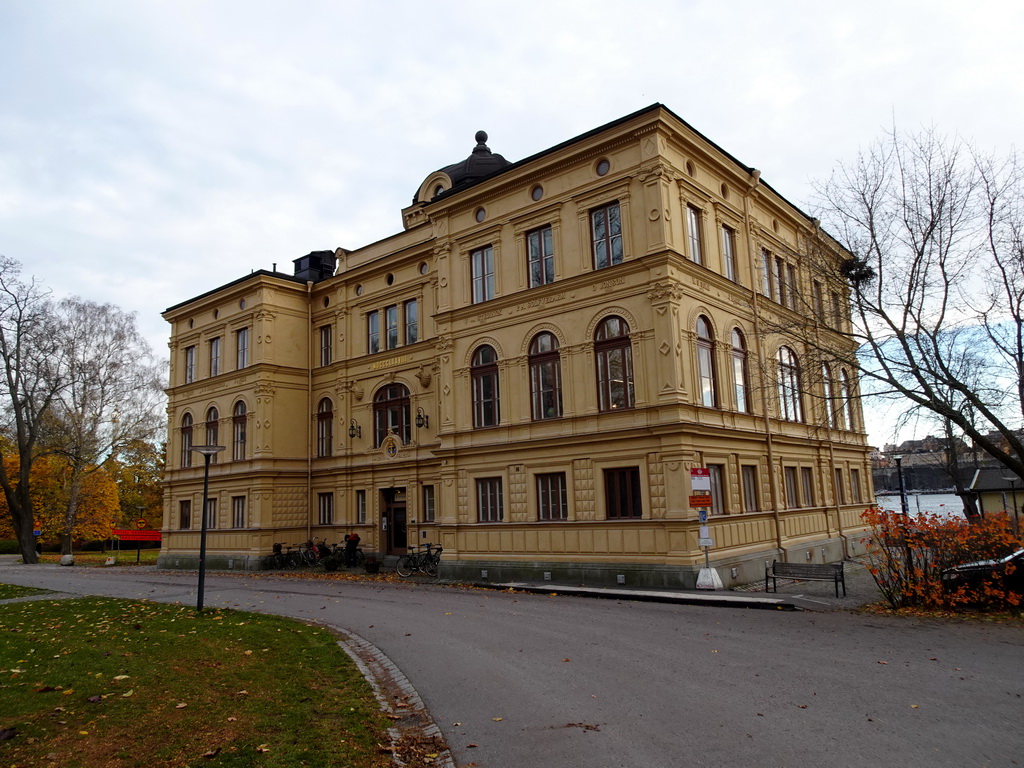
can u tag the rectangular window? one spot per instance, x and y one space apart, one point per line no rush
606 235
361 507
729 254
837 311
211 514
483 274
541 257
238 511
622 493
412 321
325 508
326 346
766 272
391 327
693 219
242 348
488 500
749 474
552 502
818 298
780 281
429 507
807 483
792 497
190 364
184 515
373 332
215 356
791 286
855 485
716 472
840 490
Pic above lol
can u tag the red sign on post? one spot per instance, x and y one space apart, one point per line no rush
129 534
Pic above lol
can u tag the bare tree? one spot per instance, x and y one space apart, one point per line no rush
31 359
112 393
935 272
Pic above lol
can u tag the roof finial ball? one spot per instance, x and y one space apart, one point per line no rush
481 137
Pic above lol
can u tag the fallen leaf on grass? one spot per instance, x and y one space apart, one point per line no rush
212 753
263 748
126 695
180 706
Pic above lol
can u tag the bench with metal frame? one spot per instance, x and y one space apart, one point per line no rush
805 572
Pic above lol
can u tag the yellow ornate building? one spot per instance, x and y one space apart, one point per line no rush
528 372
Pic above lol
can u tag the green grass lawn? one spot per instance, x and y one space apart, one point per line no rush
118 683
10 591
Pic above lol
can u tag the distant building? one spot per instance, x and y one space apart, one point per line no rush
528 372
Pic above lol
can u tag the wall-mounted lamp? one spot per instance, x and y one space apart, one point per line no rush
422 420
354 430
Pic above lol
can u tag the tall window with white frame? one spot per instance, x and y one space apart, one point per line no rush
706 363
613 354
622 493
373 332
855 485
326 344
790 405
391 327
792 495
540 257
190 364
489 503
215 358
429 504
766 273
482 273
238 426
829 402
484 375
242 348
185 514
211 514
545 377
325 508
238 511
729 254
213 430
412 321
693 233
840 489
186 441
606 235
844 412
552 498
740 372
807 485
361 507
716 473
325 428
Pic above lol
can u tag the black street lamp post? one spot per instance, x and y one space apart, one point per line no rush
208 452
903 488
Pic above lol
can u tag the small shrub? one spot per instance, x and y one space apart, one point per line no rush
9 547
909 553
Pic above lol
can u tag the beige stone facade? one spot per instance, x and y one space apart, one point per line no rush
527 373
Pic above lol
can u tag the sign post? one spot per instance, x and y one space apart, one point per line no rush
701 499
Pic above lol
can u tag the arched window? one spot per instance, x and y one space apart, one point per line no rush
391 413
706 363
238 419
212 430
325 428
614 357
545 377
831 406
740 376
790 408
186 440
844 412
484 372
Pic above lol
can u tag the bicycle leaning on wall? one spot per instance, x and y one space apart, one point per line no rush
424 561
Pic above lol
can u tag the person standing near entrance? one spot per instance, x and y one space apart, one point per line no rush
351 542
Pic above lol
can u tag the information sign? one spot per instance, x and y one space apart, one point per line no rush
700 500
700 480
708 542
130 534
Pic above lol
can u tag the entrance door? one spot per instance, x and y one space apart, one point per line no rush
394 522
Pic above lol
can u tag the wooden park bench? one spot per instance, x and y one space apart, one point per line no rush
805 572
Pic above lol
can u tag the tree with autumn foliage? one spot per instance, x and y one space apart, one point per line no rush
137 471
98 503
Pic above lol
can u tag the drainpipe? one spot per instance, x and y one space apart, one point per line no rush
309 410
773 485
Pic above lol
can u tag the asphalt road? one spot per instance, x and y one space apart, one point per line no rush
517 680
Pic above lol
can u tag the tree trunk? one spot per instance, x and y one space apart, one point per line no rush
71 513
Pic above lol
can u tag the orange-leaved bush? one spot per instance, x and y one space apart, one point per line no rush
908 554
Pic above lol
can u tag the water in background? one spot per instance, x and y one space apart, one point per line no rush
946 504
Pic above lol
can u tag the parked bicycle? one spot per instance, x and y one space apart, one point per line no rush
284 558
424 561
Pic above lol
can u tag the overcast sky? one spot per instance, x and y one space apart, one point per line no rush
151 151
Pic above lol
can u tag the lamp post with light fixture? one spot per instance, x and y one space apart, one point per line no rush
208 452
903 488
